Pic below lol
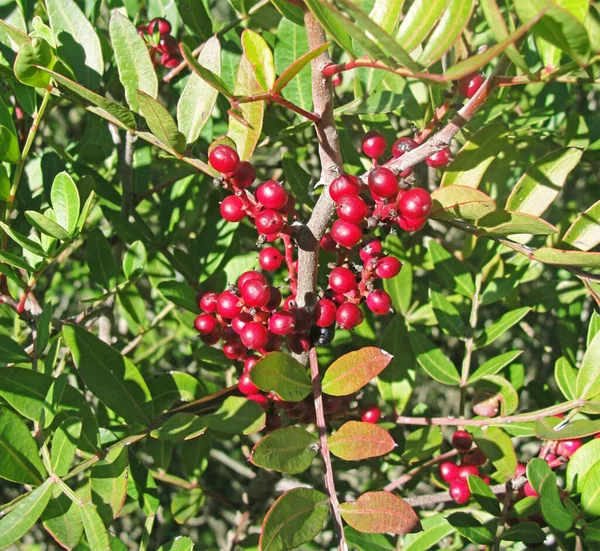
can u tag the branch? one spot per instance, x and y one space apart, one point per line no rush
322 429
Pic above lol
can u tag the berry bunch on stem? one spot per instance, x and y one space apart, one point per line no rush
161 43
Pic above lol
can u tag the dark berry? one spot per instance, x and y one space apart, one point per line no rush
246 385
459 491
352 208
282 323
439 158
475 457
270 259
254 335
232 209
373 144
344 185
322 336
205 323
328 243
462 441
211 339
160 25
223 159
383 182
346 234
273 422
371 415
274 300
387 267
142 30
469 85
228 305
379 302
269 222
255 293
272 195
234 350
342 280
168 45
243 175
303 320
324 312
448 471
298 344
348 316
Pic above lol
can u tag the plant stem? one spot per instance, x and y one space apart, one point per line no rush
322 430
127 174
407 477
469 345
504 515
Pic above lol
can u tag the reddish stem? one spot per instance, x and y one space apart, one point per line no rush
289 258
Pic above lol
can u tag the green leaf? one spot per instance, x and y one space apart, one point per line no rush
588 378
9 146
498 448
282 374
367 542
46 226
396 382
245 129
43 326
207 75
475 157
354 370
544 429
290 11
499 388
118 114
135 260
236 416
501 326
260 55
196 18
11 352
180 543
380 102
433 361
453 273
65 202
198 98
435 529
16 261
181 426
463 202
286 76
558 257
539 186
422 444
400 288
179 293
565 376
168 388
160 122
448 317
95 531
18 522
447 32
100 259
108 479
30 60
355 440
469 527
21 461
4 184
295 518
25 242
380 512
336 28
136 71
580 463
111 377
584 232
552 509
187 504
484 495
494 365
502 223
418 22
64 445
77 42
62 520
557 26
16 35
525 531
290 450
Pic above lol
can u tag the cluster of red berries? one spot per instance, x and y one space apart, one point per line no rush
163 46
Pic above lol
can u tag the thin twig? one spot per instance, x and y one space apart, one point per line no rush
469 346
157 319
407 477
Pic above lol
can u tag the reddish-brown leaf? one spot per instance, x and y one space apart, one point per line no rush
380 513
355 440
354 370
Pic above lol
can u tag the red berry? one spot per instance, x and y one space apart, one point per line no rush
464 471
411 224
243 175
344 185
567 448
168 45
348 316
239 322
448 471
336 80
161 25
387 267
328 243
379 302
228 305
255 293
208 302
249 363
282 323
371 415
346 234
439 158
247 276
342 280
352 208
260 399
459 491
298 344
521 469
468 86
211 339
373 144
324 312
475 457
529 491
272 195
232 209
205 323
246 385
274 343
415 203
223 159
383 182
370 250
274 301
462 441
234 350
269 222
270 259
169 60
289 303
254 335
402 146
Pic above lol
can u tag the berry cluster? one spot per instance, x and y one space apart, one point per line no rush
163 46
